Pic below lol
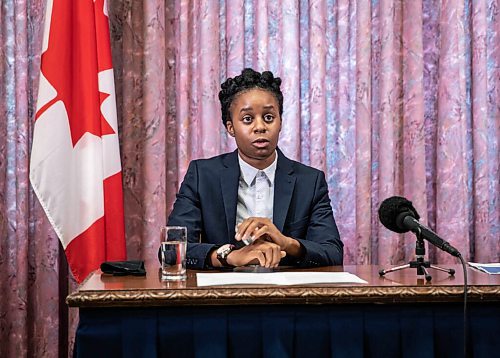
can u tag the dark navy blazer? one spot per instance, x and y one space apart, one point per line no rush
206 204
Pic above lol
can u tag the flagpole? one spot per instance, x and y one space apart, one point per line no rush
63 307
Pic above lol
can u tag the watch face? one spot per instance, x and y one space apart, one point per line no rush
224 250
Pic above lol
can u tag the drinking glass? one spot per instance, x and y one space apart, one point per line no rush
173 252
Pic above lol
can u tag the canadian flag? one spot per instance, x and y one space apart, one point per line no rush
75 167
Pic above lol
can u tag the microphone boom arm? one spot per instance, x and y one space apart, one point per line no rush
414 225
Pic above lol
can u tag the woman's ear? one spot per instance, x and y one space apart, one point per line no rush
230 128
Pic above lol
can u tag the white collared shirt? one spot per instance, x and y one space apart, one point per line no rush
255 191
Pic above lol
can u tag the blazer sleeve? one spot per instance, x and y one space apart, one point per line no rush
187 212
322 243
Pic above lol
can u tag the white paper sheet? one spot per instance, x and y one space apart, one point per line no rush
275 278
492 269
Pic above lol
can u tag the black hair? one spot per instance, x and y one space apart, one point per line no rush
248 79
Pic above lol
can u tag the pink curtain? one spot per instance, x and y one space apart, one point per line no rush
388 97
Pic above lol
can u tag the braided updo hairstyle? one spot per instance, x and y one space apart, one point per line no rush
248 79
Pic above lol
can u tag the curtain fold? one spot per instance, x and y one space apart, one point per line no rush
388 97
363 125
451 147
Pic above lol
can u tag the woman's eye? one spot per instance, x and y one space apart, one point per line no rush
247 119
268 117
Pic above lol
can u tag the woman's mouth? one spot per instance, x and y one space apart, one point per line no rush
260 143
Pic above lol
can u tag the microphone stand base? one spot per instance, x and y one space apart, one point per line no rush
419 263
421 267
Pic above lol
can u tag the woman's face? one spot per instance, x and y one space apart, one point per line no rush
255 124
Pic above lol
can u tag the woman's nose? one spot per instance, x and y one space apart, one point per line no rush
260 125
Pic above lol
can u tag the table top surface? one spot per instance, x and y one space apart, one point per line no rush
100 290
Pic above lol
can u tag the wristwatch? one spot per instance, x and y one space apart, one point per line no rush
223 252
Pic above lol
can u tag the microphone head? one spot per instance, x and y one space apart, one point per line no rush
391 210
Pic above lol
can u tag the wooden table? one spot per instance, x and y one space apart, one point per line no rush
395 315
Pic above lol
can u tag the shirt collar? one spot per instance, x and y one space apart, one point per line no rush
248 172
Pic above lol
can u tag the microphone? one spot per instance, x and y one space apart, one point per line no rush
398 214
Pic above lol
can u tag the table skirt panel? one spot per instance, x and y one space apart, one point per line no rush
418 330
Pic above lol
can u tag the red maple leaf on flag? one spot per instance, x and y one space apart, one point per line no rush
70 64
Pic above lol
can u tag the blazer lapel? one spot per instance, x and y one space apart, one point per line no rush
284 182
229 186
